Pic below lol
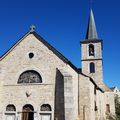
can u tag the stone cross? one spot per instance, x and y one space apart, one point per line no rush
32 28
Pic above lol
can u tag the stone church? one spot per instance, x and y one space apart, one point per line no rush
38 83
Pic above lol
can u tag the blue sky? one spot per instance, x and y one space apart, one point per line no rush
63 24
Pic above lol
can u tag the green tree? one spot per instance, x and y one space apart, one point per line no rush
117 107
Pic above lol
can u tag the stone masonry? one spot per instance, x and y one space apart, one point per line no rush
50 86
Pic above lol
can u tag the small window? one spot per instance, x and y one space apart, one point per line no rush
91 50
96 106
10 108
107 108
45 107
31 55
92 68
95 90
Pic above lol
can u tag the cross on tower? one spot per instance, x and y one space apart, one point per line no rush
32 28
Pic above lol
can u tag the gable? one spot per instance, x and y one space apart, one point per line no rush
39 38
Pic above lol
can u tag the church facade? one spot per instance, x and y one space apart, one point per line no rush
38 83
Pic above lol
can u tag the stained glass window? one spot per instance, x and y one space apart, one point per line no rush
45 107
10 108
30 76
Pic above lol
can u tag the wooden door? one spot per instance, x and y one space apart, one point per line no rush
25 115
28 113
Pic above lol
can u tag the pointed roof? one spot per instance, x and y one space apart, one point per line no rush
49 46
91 30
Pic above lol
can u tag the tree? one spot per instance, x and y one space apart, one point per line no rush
117 107
117 110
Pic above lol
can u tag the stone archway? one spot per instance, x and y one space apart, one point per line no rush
28 112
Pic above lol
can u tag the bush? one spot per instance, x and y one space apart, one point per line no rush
117 107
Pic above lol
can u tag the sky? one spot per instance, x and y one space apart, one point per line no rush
63 23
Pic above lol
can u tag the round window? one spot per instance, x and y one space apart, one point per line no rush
31 55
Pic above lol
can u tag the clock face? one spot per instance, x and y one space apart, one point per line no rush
30 77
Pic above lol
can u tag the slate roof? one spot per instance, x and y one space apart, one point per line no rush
112 88
91 30
104 87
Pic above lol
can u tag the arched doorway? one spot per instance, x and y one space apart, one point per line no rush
28 112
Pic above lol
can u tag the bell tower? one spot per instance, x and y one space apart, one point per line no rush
91 49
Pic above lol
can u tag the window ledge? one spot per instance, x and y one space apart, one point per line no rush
28 84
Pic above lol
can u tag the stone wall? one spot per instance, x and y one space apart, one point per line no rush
100 103
71 96
44 62
97 49
86 99
98 75
109 99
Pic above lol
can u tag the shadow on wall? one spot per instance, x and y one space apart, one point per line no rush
59 96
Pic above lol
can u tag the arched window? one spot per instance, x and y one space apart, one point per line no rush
45 107
30 76
91 50
28 108
92 68
10 107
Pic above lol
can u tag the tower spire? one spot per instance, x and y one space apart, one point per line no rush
91 30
